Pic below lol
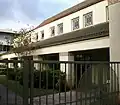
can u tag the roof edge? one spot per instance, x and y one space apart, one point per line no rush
69 11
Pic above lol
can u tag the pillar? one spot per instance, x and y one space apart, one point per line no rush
114 31
69 68
37 58
20 64
10 65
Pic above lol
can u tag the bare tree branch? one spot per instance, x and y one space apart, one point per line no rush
22 42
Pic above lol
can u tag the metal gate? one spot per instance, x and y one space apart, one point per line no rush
31 82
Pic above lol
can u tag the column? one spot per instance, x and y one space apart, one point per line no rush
20 64
10 65
37 58
114 31
66 56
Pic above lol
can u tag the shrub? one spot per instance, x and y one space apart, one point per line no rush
10 73
61 84
47 77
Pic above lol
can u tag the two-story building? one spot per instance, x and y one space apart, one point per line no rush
82 32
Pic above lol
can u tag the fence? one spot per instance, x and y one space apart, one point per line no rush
31 82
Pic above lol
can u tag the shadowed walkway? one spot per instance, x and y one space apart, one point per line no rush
11 97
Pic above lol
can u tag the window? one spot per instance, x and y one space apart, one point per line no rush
75 23
107 13
5 47
88 19
42 34
60 28
52 29
36 36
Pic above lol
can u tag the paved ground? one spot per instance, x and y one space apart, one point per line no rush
11 97
70 97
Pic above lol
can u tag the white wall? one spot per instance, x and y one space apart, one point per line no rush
76 46
114 30
114 27
99 16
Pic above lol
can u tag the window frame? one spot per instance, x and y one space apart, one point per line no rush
58 28
42 34
84 15
51 30
72 23
36 36
107 13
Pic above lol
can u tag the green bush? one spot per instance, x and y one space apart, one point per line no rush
61 84
11 73
48 77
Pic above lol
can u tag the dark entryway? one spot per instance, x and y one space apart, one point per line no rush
52 57
89 55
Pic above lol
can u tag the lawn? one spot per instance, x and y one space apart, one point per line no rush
18 89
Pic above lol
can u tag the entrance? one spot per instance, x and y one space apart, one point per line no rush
80 68
89 55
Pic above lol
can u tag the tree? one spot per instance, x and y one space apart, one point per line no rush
22 42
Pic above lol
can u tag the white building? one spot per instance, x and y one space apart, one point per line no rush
86 31
6 37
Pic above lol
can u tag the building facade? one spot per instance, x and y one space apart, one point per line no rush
6 37
88 31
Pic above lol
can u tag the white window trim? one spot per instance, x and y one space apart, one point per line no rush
51 31
41 34
58 30
84 19
72 23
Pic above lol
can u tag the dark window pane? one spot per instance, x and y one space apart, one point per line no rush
52 29
42 34
75 23
60 28
88 19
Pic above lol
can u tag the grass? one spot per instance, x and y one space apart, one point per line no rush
18 89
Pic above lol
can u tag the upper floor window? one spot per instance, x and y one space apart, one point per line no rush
36 36
52 29
42 34
107 13
88 19
60 28
75 23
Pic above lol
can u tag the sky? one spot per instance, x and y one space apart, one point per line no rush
16 14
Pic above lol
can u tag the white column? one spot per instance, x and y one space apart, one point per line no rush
66 56
114 30
10 65
19 64
37 58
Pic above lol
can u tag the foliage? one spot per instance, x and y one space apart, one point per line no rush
22 42
46 79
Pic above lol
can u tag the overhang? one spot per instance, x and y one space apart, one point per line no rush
96 31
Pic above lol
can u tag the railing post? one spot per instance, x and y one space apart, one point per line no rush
25 81
31 70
